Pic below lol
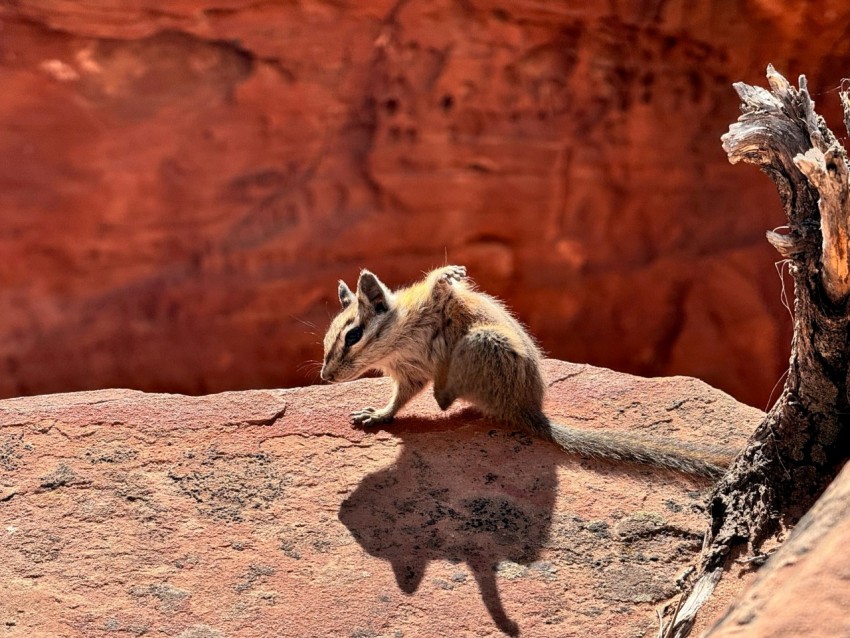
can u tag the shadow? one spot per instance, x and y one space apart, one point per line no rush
460 494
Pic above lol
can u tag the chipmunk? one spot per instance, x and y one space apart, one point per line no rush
443 330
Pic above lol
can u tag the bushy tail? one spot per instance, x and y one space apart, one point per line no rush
622 446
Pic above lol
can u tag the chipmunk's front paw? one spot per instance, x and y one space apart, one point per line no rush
450 274
370 416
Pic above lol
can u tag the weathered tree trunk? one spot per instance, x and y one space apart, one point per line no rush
802 442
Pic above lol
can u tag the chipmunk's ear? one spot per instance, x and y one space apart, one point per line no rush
345 294
371 292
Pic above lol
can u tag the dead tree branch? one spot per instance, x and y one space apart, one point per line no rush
802 442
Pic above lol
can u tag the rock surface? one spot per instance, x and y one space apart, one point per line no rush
182 182
264 513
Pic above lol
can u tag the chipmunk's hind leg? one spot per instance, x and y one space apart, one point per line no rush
489 369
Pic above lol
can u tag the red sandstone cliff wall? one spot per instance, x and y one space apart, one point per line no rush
182 182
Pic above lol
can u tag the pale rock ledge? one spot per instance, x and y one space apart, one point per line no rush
265 513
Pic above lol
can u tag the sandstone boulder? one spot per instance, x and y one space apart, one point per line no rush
265 513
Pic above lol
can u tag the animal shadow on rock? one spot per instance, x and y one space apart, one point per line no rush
466 495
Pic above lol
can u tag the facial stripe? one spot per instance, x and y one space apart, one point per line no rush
379 331
335 347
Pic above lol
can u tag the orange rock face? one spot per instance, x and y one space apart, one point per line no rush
182 182
264 513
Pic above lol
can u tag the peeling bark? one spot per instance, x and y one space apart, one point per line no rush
802 442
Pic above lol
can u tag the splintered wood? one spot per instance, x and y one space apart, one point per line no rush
801 444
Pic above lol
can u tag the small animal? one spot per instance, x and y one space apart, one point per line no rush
443 330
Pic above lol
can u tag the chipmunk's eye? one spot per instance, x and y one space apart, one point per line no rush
353 336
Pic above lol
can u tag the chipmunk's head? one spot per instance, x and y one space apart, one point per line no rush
356 340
